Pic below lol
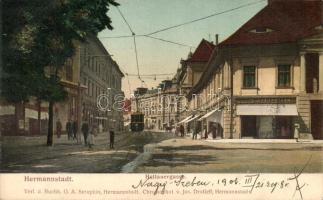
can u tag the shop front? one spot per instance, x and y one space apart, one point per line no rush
267 121
213 123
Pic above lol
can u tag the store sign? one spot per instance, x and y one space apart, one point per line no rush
266 100
267 110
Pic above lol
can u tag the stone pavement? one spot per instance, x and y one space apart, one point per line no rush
30 154
184 155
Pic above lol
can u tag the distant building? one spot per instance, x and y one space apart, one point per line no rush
158 105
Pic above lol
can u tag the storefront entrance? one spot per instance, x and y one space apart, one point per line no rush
248 126
316 119
267 127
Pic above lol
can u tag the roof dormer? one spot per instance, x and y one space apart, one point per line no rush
261 30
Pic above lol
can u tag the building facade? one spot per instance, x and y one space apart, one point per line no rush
189 74
31 118
102 77
86 75
159 106
264 81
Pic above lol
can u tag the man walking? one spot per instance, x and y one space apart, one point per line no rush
181 130
74 128
195 133
69 130
85 131
111 139
58 128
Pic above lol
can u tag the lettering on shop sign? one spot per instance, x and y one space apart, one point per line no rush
251 100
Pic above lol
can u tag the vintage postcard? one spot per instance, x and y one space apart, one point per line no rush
161 99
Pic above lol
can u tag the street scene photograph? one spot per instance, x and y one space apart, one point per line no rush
163 86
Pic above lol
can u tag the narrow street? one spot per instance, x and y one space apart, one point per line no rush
30 154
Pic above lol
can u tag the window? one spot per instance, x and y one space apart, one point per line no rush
261 30
249 76
69 69
283 75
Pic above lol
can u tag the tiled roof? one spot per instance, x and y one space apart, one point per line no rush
203 52
284 20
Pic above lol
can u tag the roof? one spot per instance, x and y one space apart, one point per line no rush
202 52
99 43
285 21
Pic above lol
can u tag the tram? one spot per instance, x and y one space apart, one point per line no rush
137 122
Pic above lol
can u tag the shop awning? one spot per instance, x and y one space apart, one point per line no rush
184 120
208 114
126 123
193 118
268 109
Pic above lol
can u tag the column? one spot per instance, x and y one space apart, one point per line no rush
321 72
302 72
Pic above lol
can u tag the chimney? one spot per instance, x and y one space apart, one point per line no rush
216 39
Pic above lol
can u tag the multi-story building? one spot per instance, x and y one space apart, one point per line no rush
86 75
190 73
31 118
187 77
159 106
102 76
267 77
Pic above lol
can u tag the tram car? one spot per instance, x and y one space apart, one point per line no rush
137 122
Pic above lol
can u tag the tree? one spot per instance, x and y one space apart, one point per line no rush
39 34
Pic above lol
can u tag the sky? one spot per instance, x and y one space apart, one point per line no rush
157 57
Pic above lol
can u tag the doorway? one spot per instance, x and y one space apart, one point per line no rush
249 126
312 72
316 119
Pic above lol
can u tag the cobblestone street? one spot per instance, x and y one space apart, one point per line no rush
30 154
200 156
149 152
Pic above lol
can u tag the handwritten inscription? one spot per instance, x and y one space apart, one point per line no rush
251 182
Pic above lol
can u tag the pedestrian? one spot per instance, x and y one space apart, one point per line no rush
296 132
69 130
90 138
100 128
195 133
214 130
111 139
58 128
74 128
95 129
181 130
85 131
206 133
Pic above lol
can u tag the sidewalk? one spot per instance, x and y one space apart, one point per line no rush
253 141
258 141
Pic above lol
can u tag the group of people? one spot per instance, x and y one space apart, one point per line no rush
181 130
71 129
214 129
88 131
